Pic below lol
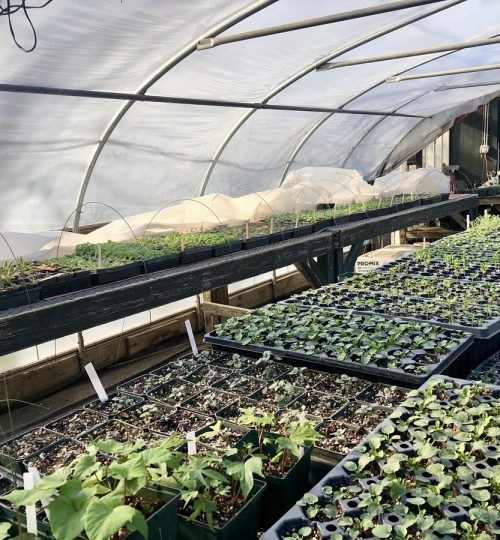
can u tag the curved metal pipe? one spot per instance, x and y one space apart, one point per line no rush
167 66
308 69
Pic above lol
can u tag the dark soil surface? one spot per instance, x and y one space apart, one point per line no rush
74 424
232 413
117 402
141 385
361 414
318 403
240 384
385 395
180 422
143 416
208 375
266 369
340 437
57 457
29 443
342 385
209 401
176 391
116 430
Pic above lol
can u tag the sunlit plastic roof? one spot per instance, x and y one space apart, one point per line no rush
58 152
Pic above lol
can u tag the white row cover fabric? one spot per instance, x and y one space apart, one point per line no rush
302 189
135 158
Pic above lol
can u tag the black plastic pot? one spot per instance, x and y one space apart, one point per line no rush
280 236
196 254
163 523
256 241
228 247
281 493
322 224
342 220
303 230
65 283
21 296
156 264
243 526
116 273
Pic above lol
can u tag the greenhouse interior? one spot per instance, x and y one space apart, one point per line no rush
250 270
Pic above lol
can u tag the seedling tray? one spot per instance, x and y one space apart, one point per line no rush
160 263
21 296
116 273
347 366
65 283
340 476
485 331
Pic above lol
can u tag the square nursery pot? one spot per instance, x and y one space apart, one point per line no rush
196 254
385 211
342 220
228 247
407 205
65 283
281 493
18 297
163 523
243 526
116 273
280 236
322 224
303 230
256 241
156 264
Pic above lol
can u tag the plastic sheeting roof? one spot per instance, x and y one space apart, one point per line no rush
57 152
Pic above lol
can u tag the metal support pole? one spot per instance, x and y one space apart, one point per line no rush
474 69
209 43
71 92
409 54
468 85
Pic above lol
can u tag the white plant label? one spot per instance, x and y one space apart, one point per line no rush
468 222
31 525
192 341
191 440
96 382
302 417
36 479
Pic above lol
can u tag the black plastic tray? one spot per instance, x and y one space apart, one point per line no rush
157 264
65 283
486 331
116 273
19 297
346 365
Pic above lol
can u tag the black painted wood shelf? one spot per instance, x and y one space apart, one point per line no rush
60 316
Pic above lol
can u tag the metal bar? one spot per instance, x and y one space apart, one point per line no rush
169 63
355 251
474 69
408 54
96 94
209 43
466 85
308 69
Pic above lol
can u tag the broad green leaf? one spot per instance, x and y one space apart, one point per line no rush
102 521
382 531
445 526
4 530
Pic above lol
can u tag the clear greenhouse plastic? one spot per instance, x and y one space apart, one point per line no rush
59 153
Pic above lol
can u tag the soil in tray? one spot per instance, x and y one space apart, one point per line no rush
29 443
117 402
6 485
224 440
318 403
340 438
141 385
57 456
205 356
182 421
176 368
303 377
76 423
175 391
234 361
118 431
209 401
240 384
232 412
278 394
342 385
208 375
266 369
360 413
143 416
385 395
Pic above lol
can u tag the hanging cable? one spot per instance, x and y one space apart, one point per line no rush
485 148
8 9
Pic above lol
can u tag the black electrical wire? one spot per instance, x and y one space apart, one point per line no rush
9 9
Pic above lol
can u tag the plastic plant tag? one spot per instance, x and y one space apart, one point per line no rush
192 341
96 382
31 525
191 441
99 256
36 479
468 221
302 420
